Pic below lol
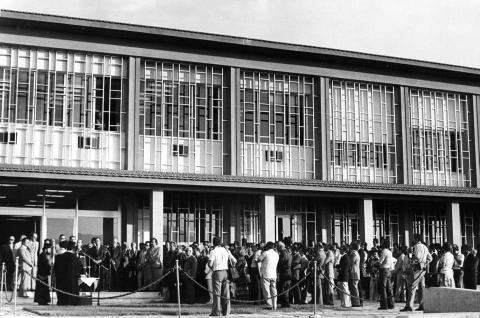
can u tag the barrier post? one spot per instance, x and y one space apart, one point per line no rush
178 289
15 290
315 290
1 284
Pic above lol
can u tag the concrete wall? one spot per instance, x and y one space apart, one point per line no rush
442 299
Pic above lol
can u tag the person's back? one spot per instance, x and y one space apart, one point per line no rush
269 261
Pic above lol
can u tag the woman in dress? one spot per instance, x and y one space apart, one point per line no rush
42 292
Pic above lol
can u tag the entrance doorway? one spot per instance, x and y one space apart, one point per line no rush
18 225
287 226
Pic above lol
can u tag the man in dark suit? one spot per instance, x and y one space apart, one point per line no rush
98 255
7 257
285 274
354 275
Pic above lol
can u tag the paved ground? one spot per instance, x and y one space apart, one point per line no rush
27 308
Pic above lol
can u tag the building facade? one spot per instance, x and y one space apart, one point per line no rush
110 129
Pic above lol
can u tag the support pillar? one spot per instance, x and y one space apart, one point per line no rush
366 221
43 225
75 219
454 229
156 217
268 218
324 224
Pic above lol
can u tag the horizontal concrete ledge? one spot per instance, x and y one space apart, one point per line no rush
451 300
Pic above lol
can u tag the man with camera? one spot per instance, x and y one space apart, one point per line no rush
415 271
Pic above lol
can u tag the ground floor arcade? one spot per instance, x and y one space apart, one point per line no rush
186 216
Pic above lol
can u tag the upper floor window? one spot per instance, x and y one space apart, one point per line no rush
277 108
364 124
64 89
440 138
182 100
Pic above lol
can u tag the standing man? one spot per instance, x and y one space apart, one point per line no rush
354 275
415 271
8 258
35 249
190 269
285 272
268 274
218 262
458 266
329 282
154 262
385 283
25 265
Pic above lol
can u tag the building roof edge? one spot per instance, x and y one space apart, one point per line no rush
227 39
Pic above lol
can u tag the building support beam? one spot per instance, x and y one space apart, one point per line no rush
268 218
156 217
366 221
454 229
232 126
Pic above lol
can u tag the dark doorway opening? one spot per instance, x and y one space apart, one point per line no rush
18 225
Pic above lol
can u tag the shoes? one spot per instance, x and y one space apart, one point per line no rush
268 308
392 307
419 308
406 309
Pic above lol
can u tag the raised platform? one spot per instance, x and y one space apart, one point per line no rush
443 300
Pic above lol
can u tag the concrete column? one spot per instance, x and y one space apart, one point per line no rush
323 225
75 219
156 217
268 218
454 229
366 221
43 226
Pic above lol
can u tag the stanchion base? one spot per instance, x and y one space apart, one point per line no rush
315 316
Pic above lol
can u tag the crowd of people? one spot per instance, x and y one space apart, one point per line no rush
270 274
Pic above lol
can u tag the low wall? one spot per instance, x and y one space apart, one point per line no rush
443 299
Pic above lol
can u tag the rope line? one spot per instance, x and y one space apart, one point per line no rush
245 301
362 299
5 285
102 298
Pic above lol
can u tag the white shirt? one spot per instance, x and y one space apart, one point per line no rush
218 258
269 261
386 259
446 262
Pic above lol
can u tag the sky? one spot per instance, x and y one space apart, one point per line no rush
443 31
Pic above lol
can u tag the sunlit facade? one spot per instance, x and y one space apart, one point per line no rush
125 131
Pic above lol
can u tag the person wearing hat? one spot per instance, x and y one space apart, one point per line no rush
42 293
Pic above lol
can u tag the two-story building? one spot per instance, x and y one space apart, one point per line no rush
110 129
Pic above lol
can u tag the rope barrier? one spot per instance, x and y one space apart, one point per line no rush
9 301
245 301
102 298
362 299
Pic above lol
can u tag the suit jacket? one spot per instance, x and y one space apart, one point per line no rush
321 257
7 256
191 266
344 268
329 260
284 266
354 265
25 261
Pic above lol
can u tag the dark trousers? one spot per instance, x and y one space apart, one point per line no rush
295 295
283 285
385 288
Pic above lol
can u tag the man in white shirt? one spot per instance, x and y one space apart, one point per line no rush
415 271
385 280
218 262
268 274
446 264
